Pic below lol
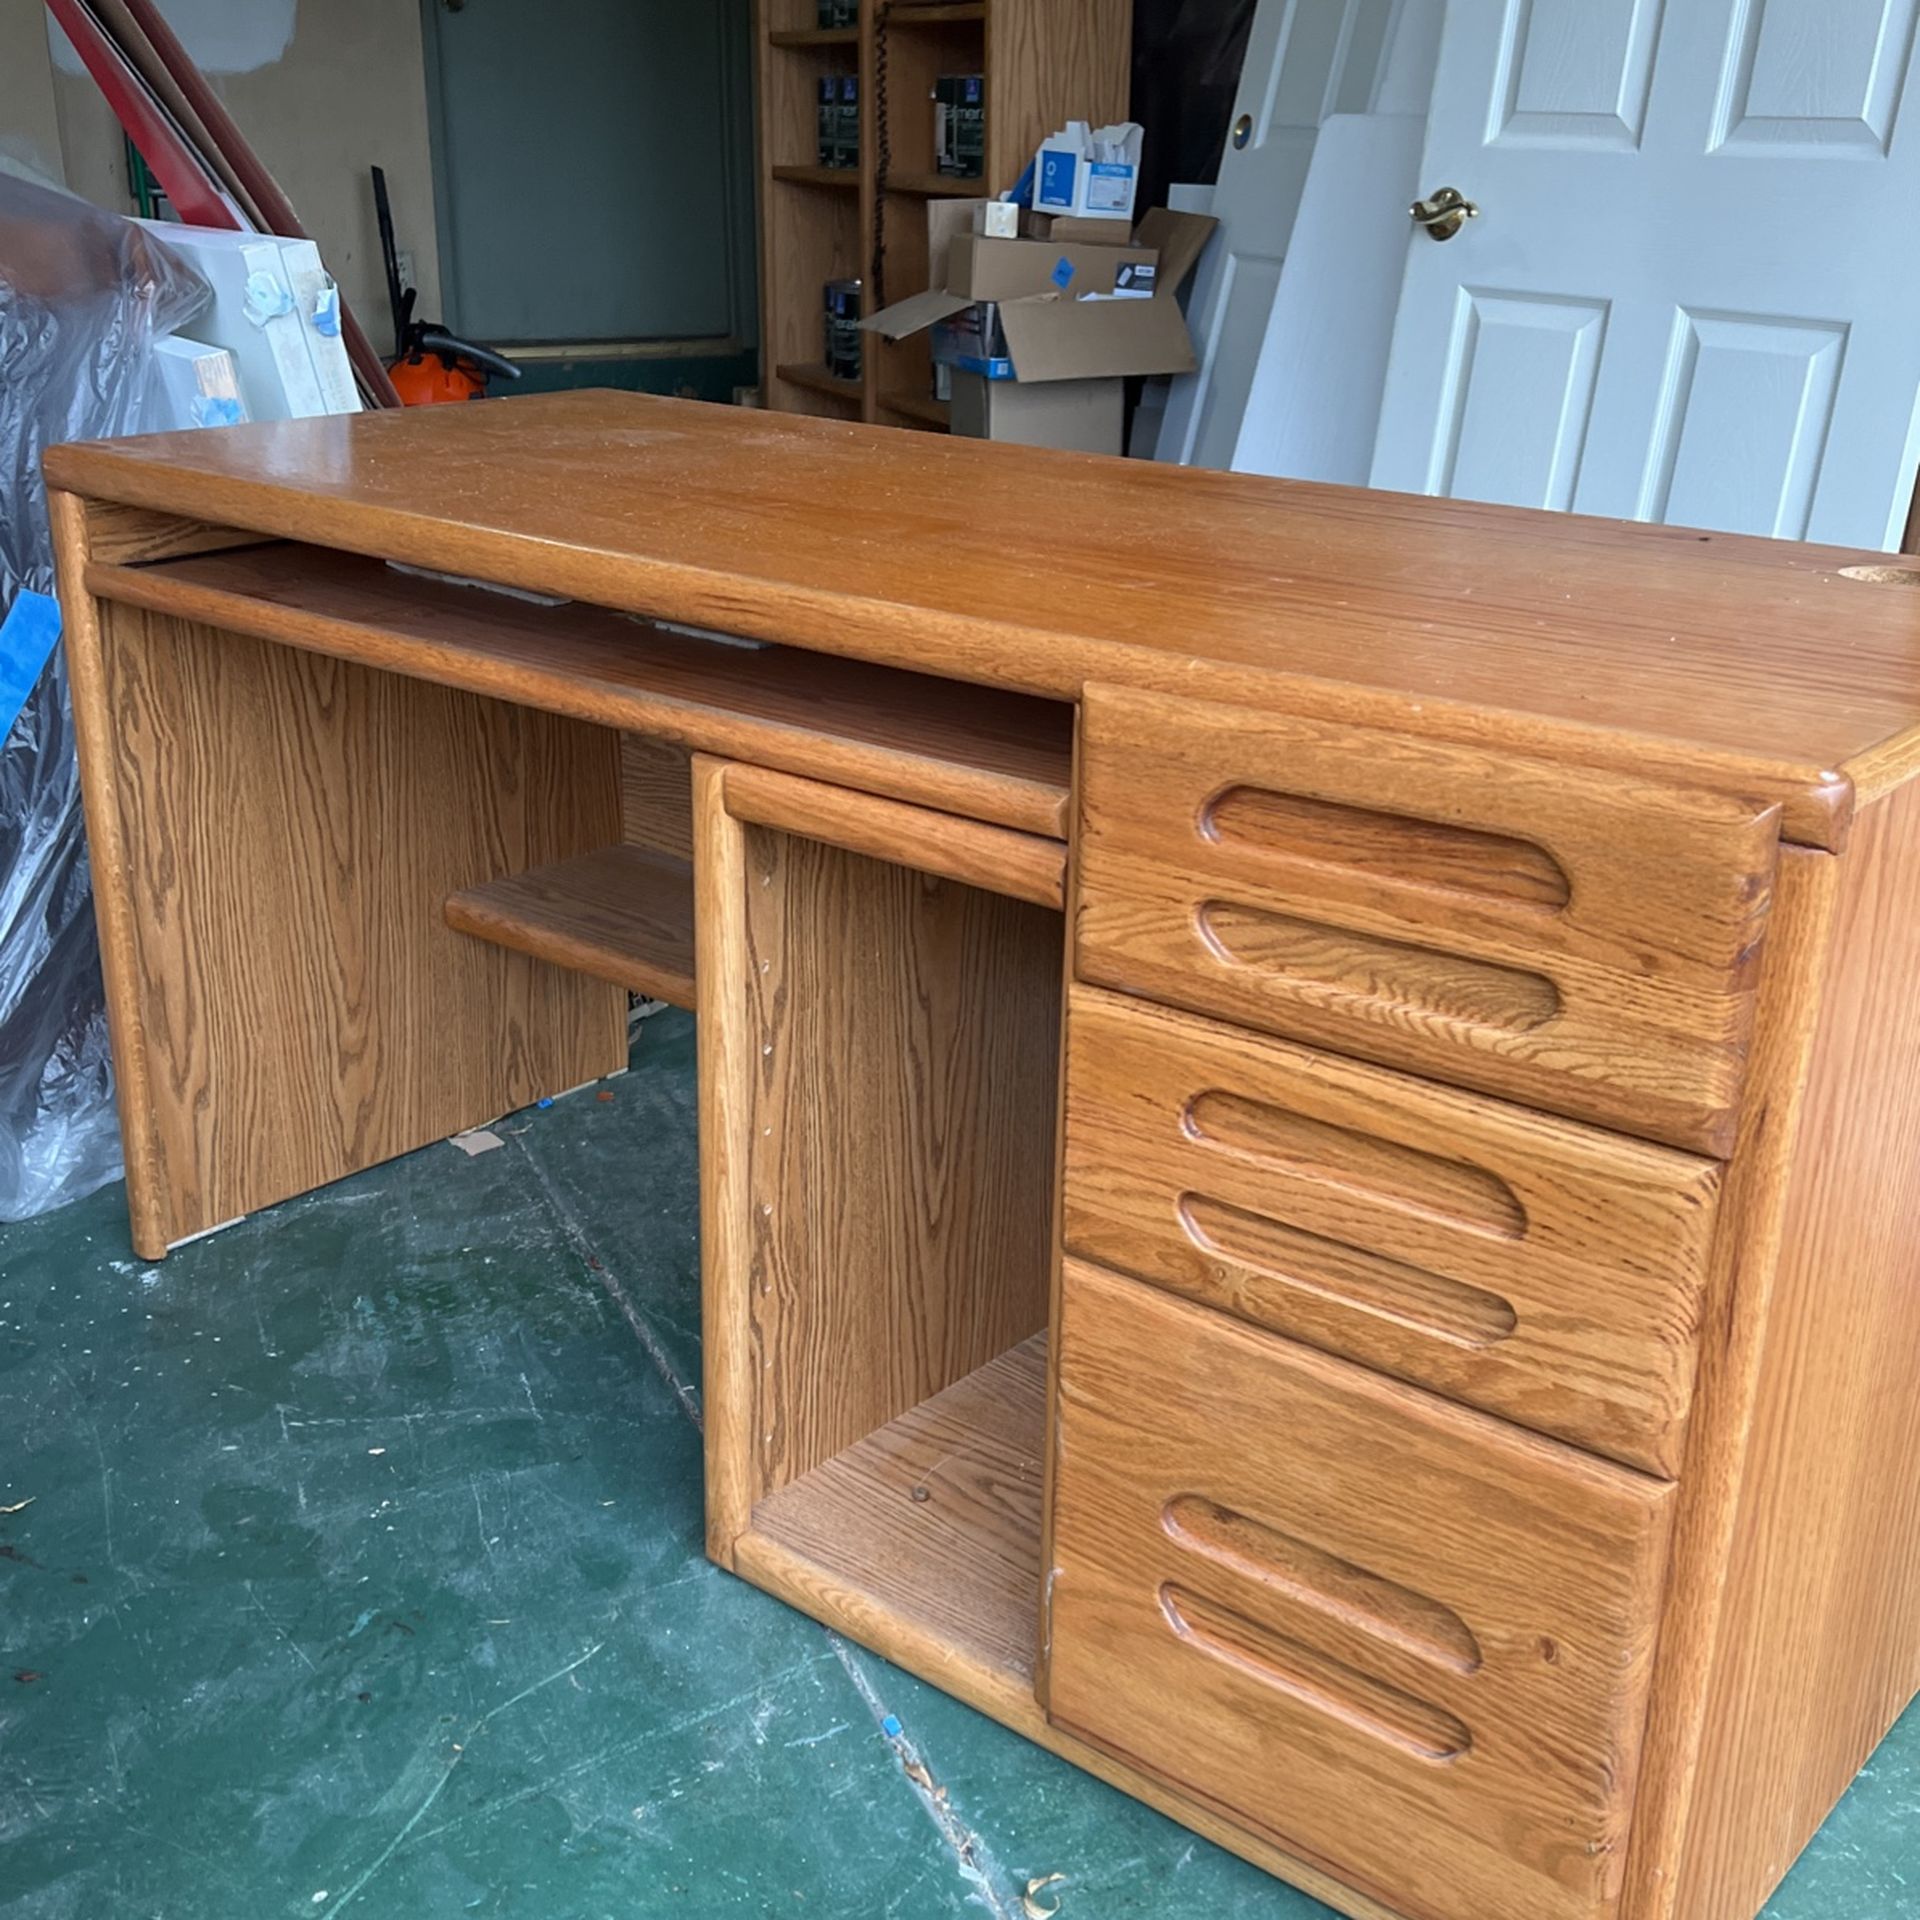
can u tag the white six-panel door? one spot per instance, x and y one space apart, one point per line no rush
1692 293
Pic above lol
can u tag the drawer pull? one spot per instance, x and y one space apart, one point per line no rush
1408 1179
1386 982
1274 1258
1418 1726
1307 1574
1393 846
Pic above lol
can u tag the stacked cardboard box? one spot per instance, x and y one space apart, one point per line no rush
1039 333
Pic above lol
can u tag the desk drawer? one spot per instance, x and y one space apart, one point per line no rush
1576 940
1528 1265
1393 1635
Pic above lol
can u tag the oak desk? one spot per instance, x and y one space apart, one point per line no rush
1308 1099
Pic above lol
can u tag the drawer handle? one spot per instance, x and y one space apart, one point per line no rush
1277 1259
1408 1179
1359 974
1427 1731
1310 1575
1386 846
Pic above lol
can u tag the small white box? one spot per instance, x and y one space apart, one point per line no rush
998 220
1088 173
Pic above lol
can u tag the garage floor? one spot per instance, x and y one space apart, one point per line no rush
361 1573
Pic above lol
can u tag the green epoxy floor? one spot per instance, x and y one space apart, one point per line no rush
362 1574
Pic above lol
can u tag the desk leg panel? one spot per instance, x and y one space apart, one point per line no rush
289 827
1818 1649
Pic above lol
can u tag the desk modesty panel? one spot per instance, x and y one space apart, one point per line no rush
1308 1099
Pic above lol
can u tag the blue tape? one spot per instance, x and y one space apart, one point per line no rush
1062 274
27 638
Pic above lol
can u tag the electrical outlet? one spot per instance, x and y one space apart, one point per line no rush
403 259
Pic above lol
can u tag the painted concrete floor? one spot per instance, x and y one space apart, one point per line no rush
361 1573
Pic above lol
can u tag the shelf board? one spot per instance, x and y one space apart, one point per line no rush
918 406
936 186
941 13
814 37
963 1562
811 374
845 179
623 914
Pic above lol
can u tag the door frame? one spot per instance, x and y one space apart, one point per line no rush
737 179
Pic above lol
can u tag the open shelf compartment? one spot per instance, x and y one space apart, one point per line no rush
936 1516
986 755
877 1347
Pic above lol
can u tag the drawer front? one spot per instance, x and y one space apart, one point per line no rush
1576 940
1525 1264
1389 1634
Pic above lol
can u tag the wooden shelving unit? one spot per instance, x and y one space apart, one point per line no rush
838 179
1045 62
816 379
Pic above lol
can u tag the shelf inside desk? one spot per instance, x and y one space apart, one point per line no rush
1004 758
934 1520
623 914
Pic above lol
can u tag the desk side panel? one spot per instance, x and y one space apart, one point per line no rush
1819 1646
290 826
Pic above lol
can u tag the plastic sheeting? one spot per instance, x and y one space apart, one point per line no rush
83 297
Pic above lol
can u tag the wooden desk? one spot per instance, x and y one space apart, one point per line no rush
1439 1415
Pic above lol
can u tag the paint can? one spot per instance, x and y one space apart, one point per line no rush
842 329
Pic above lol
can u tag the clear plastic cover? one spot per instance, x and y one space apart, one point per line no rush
83 297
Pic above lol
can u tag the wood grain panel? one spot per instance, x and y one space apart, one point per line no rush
1744 1264
1410 1641
1538 1269
1623 997
1020 865
1049 64
619 913
656 794
1819 1646
937 1514
290 827
906 1027
1660 646
985 755
129 536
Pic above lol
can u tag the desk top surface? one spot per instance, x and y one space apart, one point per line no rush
1040 571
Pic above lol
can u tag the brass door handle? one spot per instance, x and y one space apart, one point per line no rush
1445 214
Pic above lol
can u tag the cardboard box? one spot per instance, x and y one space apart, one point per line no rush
1049 333
1085 416
1064 226
988 269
